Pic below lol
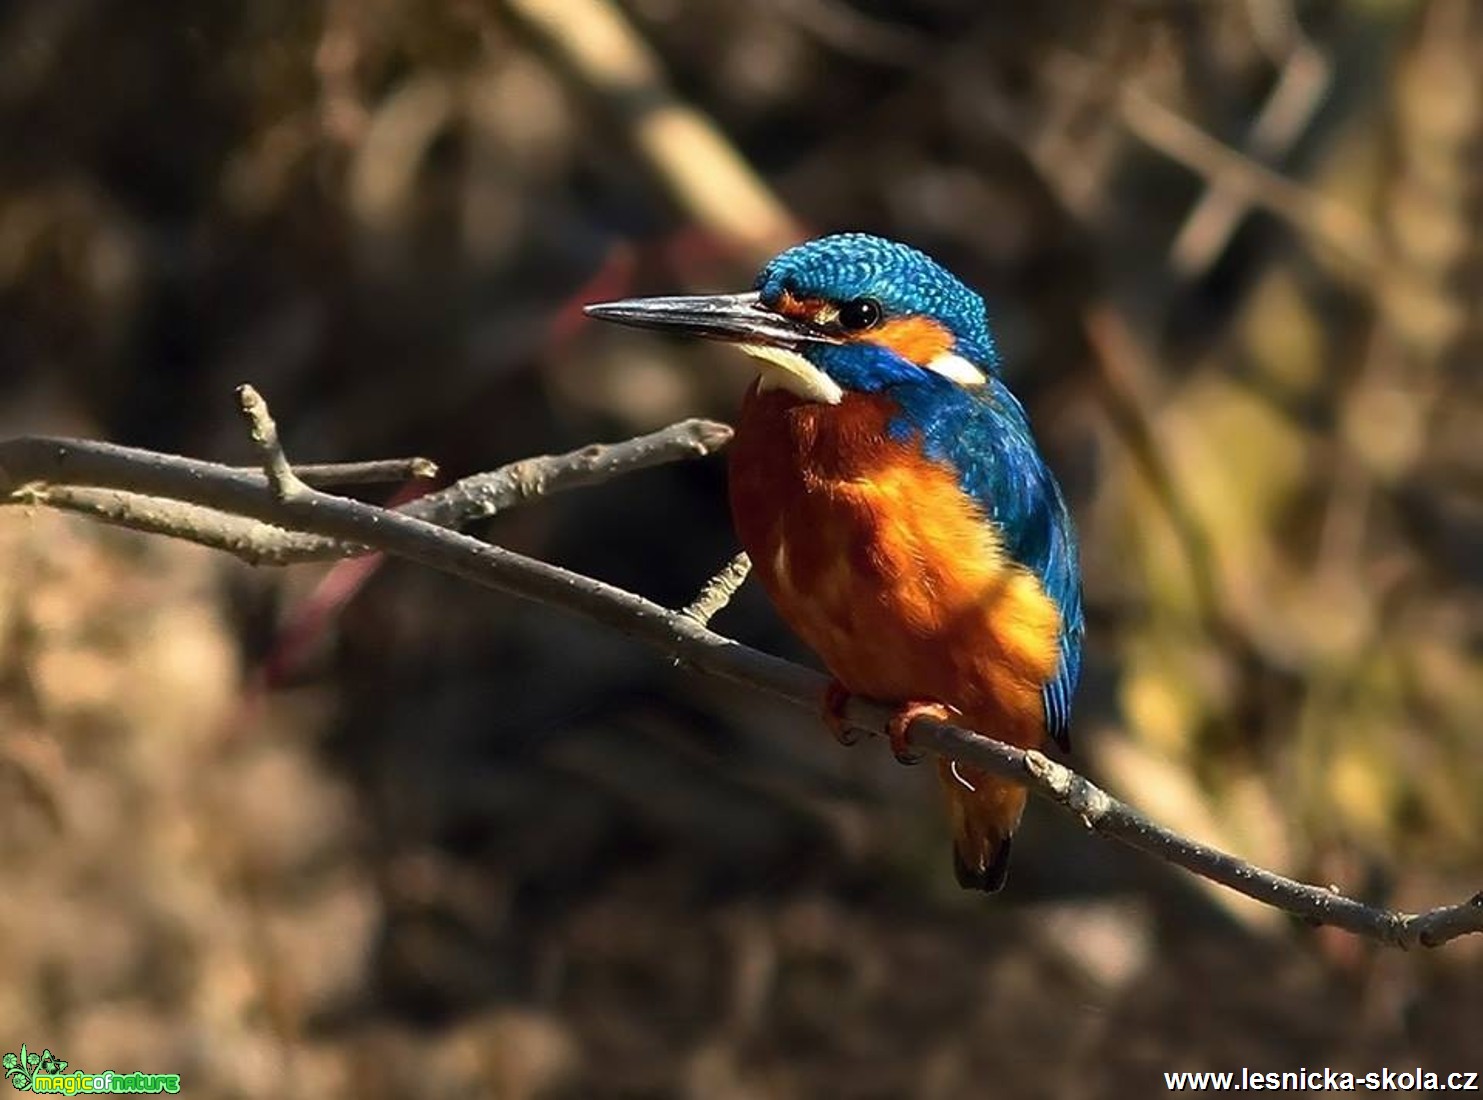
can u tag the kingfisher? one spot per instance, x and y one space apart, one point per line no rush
888 489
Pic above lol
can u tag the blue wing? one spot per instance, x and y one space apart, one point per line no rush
984 433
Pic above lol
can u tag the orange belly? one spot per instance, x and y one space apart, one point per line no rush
886 568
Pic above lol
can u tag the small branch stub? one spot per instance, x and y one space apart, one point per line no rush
719 589
281 478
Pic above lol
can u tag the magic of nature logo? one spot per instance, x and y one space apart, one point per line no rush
28 1071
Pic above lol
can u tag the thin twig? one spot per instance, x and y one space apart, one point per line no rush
27 465
719 589
474 498
1304 77
850 31
381 471
1333 224
482 495
1115 361
253 542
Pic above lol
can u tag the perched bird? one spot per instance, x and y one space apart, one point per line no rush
888 489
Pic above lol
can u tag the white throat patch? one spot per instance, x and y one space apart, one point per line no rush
957 369
787 370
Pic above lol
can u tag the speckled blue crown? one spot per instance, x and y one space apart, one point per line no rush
904 281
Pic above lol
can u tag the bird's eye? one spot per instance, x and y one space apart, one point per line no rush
859 314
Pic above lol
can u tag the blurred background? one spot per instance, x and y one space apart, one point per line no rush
364 830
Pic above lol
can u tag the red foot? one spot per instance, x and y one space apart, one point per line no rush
836 698
903 718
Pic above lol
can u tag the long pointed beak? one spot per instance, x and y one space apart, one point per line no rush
736 318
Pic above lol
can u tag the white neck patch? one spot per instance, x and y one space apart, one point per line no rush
957 369
787 370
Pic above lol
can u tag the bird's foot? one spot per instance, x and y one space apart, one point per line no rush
836 698
901 721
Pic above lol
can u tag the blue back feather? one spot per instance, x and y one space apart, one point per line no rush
982 432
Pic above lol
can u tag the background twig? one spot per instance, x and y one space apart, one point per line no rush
700 168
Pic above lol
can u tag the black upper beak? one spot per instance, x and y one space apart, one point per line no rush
738 318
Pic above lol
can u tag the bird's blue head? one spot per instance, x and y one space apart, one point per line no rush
840 314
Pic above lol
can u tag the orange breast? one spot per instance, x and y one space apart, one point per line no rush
885 567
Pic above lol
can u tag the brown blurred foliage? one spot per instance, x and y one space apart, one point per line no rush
454 844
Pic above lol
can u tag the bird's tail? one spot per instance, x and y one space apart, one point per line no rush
984 811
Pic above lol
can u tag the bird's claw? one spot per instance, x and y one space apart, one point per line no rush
836 698
900 723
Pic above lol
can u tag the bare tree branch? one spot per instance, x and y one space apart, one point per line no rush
254 542
474 498
1305 76
32 468
1337 226
482 495
1331 223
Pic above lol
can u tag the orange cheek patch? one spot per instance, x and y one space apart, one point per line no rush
918 340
